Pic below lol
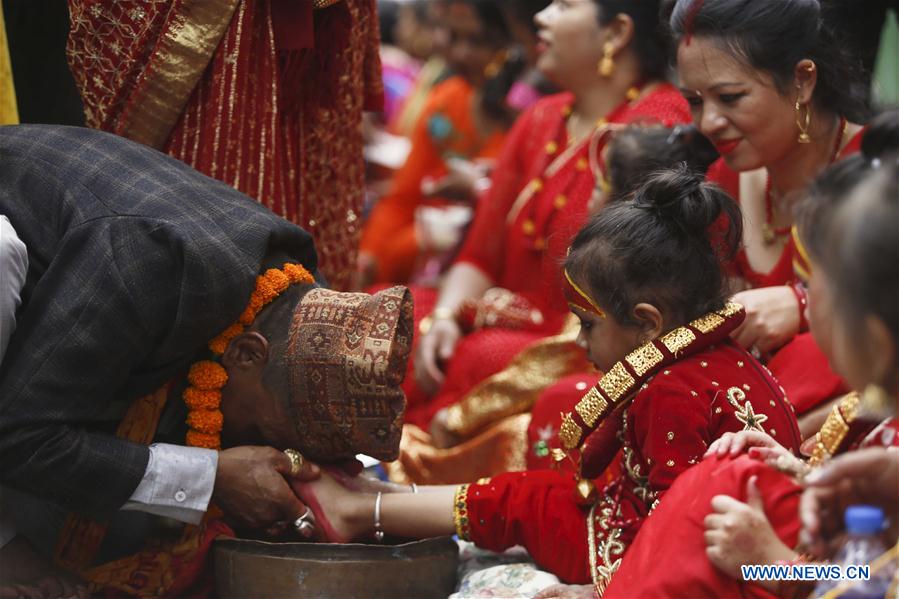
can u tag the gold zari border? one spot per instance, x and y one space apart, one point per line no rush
191 38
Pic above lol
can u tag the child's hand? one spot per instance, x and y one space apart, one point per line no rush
738 533
734 443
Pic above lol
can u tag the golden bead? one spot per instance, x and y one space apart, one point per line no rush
560 201
552 147
528 227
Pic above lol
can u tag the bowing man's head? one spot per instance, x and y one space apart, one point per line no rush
320 371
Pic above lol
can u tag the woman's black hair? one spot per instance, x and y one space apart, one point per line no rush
865 235
773 36
510 64
638 151
665 247
651 41
388 14
833 186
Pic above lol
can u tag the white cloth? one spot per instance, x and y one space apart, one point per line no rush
177 484
13 267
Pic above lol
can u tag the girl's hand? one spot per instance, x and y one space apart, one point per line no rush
772 318
738 533
734 443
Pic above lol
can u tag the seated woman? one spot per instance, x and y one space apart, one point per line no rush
477 436
612 59
645 281
771 87
848 223
464 117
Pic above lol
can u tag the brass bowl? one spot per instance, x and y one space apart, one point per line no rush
426 568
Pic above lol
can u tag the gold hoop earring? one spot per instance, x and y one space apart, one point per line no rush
803 126
607 64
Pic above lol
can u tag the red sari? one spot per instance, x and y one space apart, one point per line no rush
446 129
706 388
522 229
673 537
264 95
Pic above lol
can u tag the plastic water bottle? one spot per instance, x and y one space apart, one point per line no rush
864 525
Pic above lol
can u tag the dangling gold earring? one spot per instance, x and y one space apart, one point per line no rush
875 402
607 64
803 126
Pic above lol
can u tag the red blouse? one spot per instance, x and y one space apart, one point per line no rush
782 273
518 241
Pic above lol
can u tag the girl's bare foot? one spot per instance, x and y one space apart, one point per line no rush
341 515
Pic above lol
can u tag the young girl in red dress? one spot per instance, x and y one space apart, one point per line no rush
645 280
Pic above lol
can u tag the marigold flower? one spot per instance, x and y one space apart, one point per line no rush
198 439
207 375
220 343
205 421
278 280
197 399
298 274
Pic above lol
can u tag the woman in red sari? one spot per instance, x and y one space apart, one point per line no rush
611 58
768 86
464 117
675 382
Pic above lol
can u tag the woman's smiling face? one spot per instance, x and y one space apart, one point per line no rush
740 109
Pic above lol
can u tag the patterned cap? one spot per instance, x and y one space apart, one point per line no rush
346 357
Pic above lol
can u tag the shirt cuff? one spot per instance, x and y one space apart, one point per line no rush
177 484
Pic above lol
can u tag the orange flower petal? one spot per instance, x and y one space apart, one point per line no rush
205 421
197 399
198 439
207 375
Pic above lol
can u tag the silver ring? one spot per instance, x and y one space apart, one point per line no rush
301 523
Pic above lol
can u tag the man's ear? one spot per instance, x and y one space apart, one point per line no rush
248 350
650 320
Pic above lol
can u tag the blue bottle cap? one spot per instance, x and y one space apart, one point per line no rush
864 519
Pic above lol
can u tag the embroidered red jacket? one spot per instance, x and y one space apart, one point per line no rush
667 427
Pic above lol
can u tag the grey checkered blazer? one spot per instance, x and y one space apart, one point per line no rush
135 262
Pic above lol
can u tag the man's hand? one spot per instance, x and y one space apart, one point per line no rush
251 487
772 318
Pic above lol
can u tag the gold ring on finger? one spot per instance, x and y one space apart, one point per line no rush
296 461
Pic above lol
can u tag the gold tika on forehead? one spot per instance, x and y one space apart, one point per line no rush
578 298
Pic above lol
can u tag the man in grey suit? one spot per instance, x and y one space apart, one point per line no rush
135 263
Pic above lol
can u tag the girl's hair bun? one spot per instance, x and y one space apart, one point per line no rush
681 197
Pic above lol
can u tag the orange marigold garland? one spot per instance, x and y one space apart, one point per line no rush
206 378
